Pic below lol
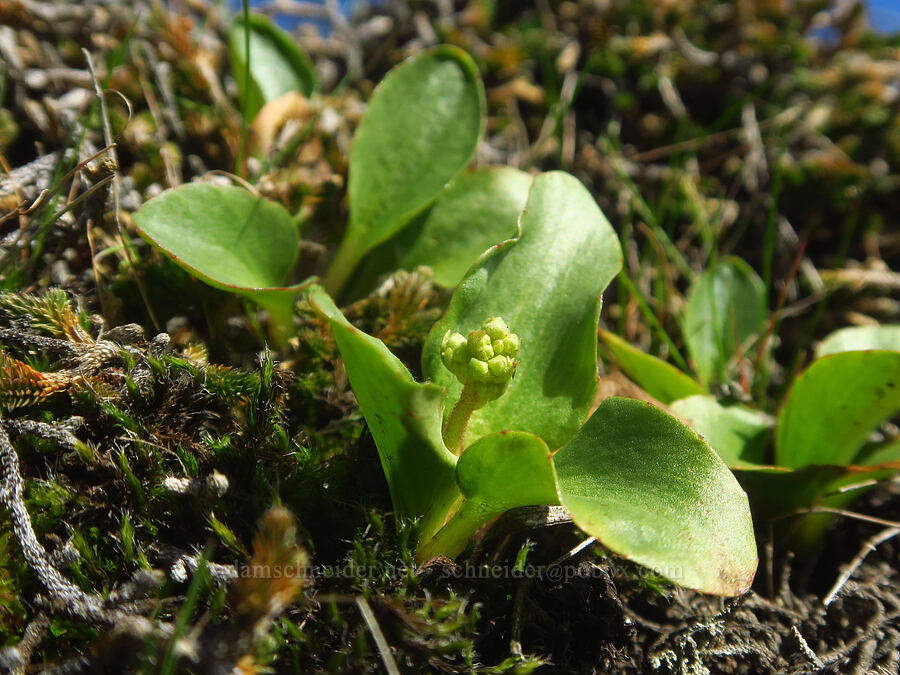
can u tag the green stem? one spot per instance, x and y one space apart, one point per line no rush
454 431
346 260
281 316
455 535
239 160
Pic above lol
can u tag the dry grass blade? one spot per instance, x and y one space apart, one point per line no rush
384 649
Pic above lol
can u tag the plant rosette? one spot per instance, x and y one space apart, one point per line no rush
507 416
419 132
629 474
823 455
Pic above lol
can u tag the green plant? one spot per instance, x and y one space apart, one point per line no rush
629 474
476 210
230 239
725 314
420 130
275 65
823 452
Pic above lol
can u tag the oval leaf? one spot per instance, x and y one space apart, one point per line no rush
276 66
860 338
661 380
421 128
506 470
477 210
726 307
652 490
496 473
227 237
404 417
834 405
224 233
738 434
546 284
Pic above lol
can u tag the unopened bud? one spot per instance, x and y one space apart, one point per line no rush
486 358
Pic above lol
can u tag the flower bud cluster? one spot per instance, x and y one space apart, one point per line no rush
487 356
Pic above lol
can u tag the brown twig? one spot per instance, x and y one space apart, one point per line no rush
868 547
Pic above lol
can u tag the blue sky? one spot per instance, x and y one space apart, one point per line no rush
884 15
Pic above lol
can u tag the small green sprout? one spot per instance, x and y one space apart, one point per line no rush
485 363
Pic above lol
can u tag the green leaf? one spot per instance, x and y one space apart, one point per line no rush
737 433
808 530
860 338
229 238
383 260
546 285
420 130
881 453
477 210
506 470
652 490
778 491
277 65
661 380
404 418
822 431
496 473
833 406
222 232
726 307
776 494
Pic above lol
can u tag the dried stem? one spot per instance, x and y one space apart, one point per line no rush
867 548
78 602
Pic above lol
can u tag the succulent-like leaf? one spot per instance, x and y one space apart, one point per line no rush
276 66
738 434
860 338
506 470
834 405
652 490
546 284
496 473
480 208
420 130
404 417
725 309
229 238
477 210
777 492
661 380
